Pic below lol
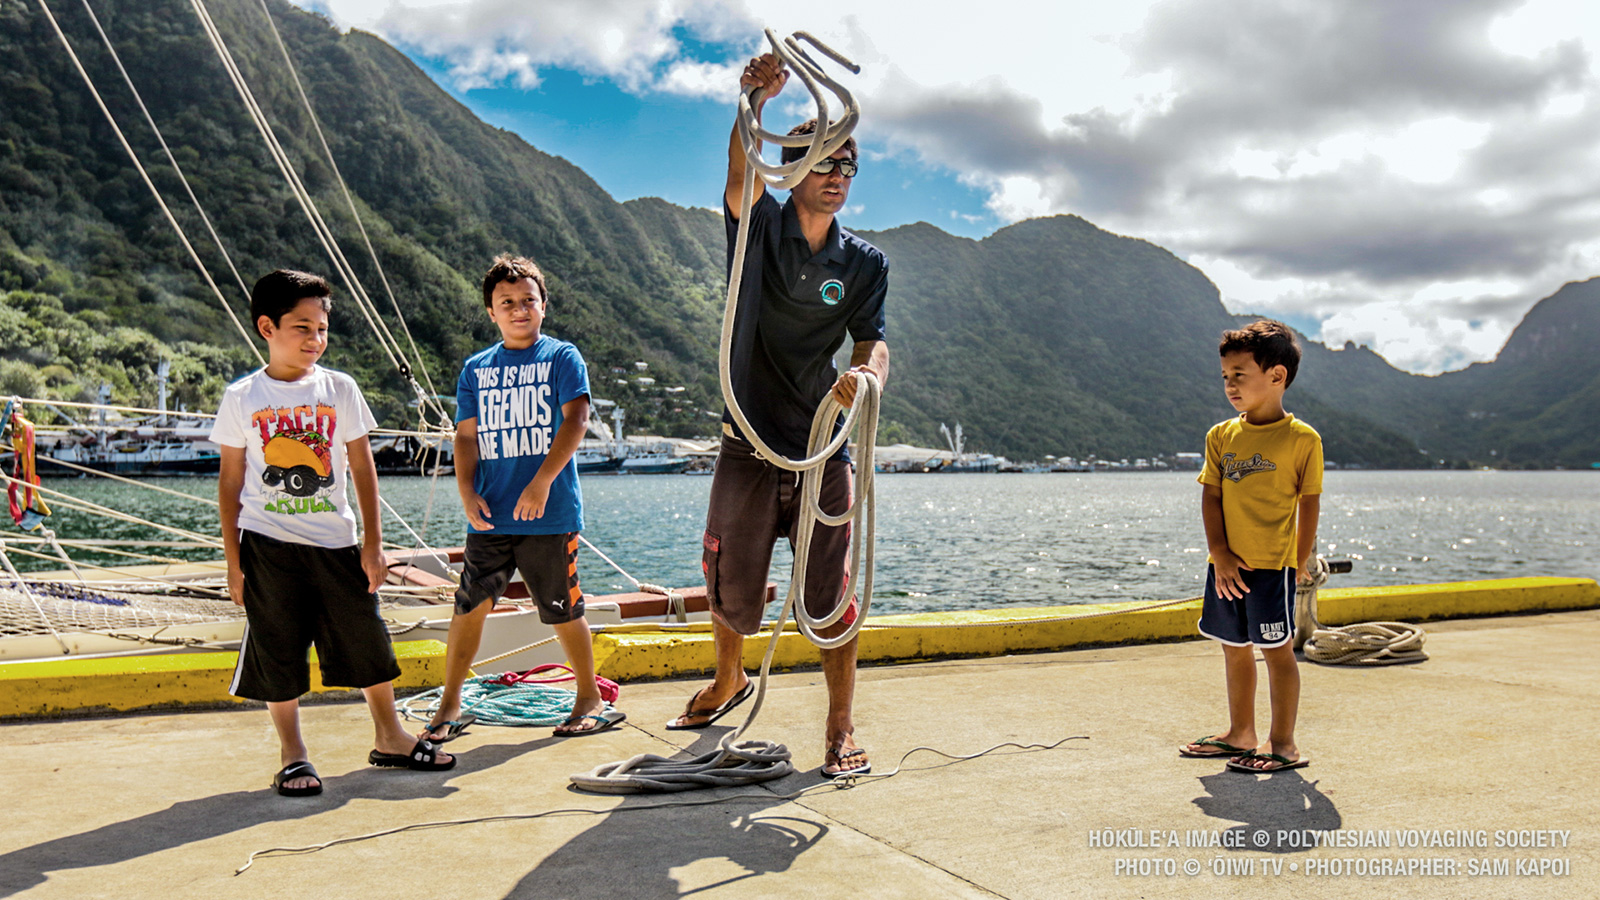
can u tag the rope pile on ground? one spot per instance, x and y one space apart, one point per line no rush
516 699
1367 644
1361 644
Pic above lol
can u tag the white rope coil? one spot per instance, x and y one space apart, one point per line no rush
752 761
733 764
1367 644
1361 644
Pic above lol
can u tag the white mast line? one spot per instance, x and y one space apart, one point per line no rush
429 397
121 138
149 119
297 187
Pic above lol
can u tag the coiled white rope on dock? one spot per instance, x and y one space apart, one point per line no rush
735 761
1360 644
1367 644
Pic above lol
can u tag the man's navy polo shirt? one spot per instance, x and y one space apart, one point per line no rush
794 312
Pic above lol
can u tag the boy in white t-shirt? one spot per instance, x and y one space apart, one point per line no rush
289 433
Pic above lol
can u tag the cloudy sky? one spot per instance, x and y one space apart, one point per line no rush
1407 174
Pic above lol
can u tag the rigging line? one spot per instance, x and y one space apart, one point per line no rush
423 544
609 560
296 186
760 796
71 502
151 431
350 201
166 560
285 168
125 573
91 543
115 408
342 265
142 484
28 592
427 514
149 119
121 138
61 553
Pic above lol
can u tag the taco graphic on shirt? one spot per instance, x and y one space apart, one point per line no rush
301 461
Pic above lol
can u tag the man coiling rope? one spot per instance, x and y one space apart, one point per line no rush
823 282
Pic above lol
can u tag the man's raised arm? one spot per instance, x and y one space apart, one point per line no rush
765 72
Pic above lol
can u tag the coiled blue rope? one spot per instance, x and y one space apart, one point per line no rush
496 703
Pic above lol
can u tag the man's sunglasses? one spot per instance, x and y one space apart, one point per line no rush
847 167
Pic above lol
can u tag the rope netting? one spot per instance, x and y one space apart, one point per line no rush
60 607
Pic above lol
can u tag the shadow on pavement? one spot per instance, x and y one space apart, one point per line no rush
191 821
632 853
1267 805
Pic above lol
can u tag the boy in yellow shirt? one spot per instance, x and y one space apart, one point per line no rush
1261 497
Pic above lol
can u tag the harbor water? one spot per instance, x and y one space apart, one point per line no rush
989 541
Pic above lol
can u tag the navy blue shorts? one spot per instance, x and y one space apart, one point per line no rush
1265 617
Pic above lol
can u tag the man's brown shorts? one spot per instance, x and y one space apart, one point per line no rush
753 503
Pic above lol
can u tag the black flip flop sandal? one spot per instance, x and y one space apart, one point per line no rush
452 729
424 757
1223 749
301 769
604 720
713 714
840 758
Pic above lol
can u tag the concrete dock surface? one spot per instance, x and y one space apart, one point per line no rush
1486 744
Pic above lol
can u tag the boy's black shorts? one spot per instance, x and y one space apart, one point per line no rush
1265 617
297 595
549 567
753 503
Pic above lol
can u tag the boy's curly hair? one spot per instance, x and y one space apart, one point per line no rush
508 269
1269 341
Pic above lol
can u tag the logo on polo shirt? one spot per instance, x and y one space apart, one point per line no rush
1235 469
832 291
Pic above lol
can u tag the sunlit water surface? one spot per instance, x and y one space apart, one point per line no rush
986 541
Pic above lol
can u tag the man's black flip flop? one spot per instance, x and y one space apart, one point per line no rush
713 714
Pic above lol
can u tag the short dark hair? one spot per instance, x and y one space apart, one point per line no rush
507 269
790 154
1269 341
282 290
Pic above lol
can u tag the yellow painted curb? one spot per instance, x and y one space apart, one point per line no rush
1455 600
642 652
649 652
120 684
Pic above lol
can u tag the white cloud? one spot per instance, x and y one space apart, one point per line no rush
699 79
1413 175
1411 334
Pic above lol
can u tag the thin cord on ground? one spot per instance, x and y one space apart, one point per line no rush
762 796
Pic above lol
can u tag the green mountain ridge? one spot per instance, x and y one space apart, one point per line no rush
1050 336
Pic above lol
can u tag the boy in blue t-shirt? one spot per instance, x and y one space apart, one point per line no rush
522 407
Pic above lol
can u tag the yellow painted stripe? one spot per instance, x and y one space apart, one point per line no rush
120 684
640 652
645 652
